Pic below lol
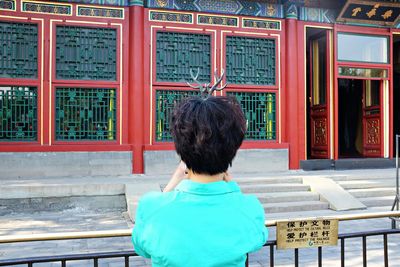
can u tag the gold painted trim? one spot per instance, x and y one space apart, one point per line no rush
151 80
215 51
253 33
12 17
11 10
41 83
120 79
331 102
279 86
87 22
222 50
315 72
100 7
305 89
47 3
50 79
218 25
169 12
386 118
319 27
182 28
262 20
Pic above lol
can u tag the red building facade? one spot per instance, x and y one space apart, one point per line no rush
317 79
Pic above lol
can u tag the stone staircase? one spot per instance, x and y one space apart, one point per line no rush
279 193
282 194
373 190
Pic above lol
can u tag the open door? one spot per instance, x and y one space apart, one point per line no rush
372 122
319 104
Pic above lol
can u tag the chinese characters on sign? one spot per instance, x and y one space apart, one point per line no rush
306 233
370 12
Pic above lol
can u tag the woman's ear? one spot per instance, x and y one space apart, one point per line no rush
227 177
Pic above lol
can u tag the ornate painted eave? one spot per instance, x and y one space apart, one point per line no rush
297 9
368 13
106 2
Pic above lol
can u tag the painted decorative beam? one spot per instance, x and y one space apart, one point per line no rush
236 7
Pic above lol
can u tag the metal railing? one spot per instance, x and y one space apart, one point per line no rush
126 255
397 198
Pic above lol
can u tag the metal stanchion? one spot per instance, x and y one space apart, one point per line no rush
397 198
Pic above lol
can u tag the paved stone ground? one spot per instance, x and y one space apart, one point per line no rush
77 220
82 220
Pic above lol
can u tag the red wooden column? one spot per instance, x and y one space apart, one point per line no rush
292 88
136 100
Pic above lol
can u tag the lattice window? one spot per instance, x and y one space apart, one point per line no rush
18 113
250 60
86 53
18 50
178 53
165 103
259 110
85 114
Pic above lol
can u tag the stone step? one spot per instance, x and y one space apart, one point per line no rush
269 188
50 164
377 201
287 197
268 180
295 206
26 191
82 203
373 192
322 213
362 177
359 184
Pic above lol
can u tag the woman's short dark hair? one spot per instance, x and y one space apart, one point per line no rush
208 132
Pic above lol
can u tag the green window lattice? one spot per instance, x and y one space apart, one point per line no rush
178 53
18 50
85 114
259 110
165 103
250 60
18 113
86 53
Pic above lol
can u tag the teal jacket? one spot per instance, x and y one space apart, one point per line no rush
199 225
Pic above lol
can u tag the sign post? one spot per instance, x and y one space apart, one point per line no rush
306 233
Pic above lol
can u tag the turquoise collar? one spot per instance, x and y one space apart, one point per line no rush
214 188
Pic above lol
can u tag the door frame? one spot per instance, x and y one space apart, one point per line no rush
387 88
330 90
364 109
319 112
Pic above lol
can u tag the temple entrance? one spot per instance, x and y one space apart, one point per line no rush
318 89
359 118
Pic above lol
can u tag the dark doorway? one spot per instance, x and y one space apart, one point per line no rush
350 118
396 88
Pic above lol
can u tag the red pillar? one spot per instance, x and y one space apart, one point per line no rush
136 85
292 93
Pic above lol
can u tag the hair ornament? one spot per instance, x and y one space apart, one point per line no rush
206 89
